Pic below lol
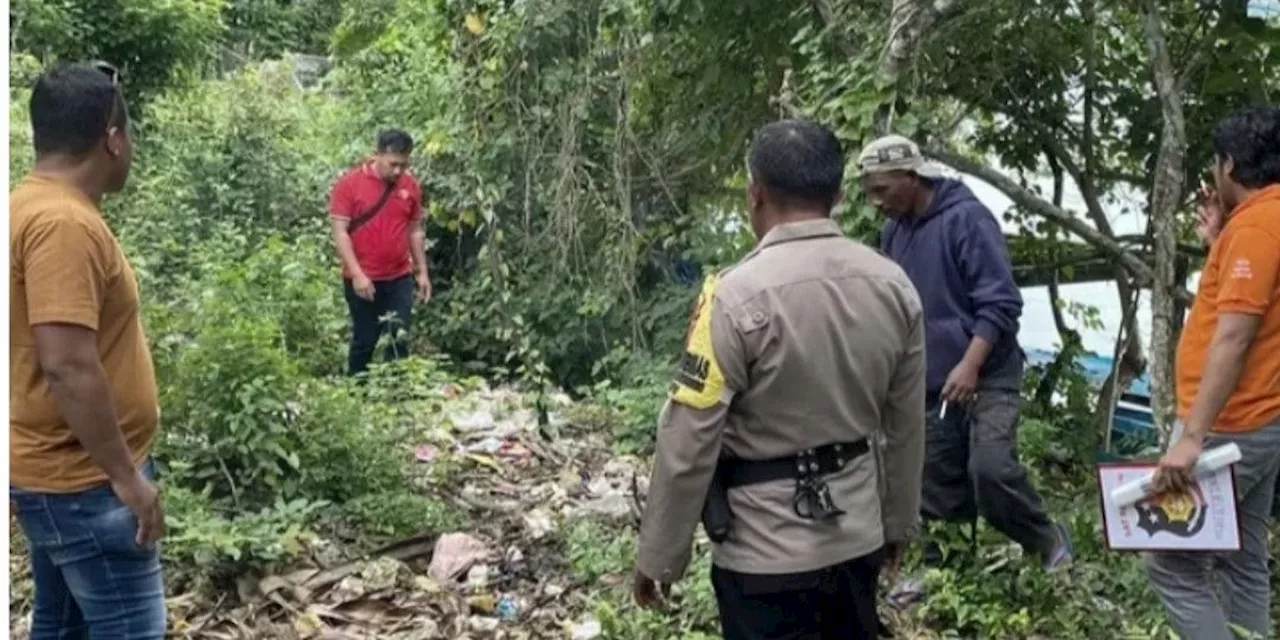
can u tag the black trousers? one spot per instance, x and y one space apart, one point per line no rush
834 603
972 469
390 310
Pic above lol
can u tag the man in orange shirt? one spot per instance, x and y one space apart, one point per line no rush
1228 382
82 390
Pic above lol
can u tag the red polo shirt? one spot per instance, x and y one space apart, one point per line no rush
382 243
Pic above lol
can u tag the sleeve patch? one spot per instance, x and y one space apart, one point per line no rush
699 381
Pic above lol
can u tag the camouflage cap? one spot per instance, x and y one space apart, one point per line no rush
895 153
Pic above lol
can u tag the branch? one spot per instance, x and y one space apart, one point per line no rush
909 20
1033 203
1200 50
1024 198
1093 204
828 15
1134 179
1090 80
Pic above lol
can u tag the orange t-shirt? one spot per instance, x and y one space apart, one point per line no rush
66 267
1242 275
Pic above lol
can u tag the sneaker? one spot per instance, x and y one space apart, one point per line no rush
906 593
1061 554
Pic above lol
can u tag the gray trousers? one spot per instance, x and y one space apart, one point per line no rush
972 469
1206 594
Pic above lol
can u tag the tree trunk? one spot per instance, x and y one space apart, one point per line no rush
1069 338
1166 196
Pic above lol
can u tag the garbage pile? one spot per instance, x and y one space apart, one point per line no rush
505 579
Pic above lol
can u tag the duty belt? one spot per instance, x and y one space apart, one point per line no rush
809 468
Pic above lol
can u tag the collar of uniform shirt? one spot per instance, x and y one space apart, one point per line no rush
825 227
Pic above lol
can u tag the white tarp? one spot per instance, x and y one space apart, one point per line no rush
1264 9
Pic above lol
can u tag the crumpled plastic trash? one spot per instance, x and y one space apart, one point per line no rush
484 624
539 524
454 554
478 421
589 630
478 577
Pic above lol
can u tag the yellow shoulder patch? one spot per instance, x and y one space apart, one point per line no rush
699 381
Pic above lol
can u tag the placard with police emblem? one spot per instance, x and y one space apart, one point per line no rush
1202 519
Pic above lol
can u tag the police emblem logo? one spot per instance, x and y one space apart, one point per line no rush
1181 514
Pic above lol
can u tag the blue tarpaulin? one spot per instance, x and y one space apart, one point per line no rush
1132 427
1096 369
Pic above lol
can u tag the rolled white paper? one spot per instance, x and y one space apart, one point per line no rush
1209 462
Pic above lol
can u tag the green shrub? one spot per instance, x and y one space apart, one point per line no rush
221 542
253 441
594 551
397 514
224 166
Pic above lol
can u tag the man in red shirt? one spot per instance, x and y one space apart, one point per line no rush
376 212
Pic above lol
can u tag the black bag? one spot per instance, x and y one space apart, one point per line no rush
359 220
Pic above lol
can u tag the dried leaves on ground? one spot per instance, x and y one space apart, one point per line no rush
507 578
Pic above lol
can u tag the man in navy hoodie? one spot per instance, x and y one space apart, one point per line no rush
953 250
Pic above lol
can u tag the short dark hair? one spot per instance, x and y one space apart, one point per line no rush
72 107
395 141
798 160
1251 138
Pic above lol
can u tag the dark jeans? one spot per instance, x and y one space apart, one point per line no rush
837 602
92 580
391 309
972 469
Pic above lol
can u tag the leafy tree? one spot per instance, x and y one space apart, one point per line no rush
1068 86
263 29
155 43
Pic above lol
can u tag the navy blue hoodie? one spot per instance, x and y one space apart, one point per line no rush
956 257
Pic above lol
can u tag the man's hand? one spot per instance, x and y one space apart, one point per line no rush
961 384
143 499
1209 214
363 286
424 286
1174 472
649 594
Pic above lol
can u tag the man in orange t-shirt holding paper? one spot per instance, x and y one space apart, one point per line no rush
1228 381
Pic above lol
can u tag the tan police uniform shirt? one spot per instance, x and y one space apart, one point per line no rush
65 267
811 339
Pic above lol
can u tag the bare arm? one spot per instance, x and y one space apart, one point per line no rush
68 356
903 426
342 240
1222 367
976 355
418 247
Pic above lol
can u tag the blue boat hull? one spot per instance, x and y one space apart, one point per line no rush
1132 421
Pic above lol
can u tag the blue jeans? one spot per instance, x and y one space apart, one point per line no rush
92 580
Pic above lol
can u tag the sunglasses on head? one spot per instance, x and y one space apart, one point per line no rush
109 69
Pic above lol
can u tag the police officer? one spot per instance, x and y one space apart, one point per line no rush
798 408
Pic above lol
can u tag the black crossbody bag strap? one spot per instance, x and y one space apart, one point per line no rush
359 220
